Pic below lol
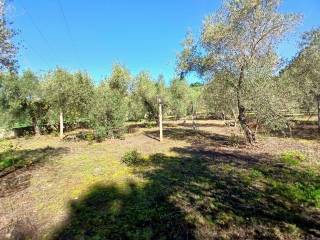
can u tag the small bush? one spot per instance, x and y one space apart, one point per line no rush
89 137
149 125
132 158
235 140
255 173
6 159
292 158
100 134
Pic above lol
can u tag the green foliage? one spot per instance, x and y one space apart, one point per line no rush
235 140
7 159
179 97
219 97
292 157
298 192
70 93
82 99
58 87
145 95
302 75
132 158
255 173
8 46
22 99
110 105
238 47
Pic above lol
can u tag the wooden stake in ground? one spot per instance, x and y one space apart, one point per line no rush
160 120
61 124
194 127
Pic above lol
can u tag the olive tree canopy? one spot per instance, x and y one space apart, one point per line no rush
240 40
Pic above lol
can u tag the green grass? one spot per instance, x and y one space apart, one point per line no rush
191 196
115 190
292 157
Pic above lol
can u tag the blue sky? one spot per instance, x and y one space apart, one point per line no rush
141 34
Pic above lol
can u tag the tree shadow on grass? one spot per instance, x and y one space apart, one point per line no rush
202 124
201 194
131 212
241 196
307 130
196 137
15 165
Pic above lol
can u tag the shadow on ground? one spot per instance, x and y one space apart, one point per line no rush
15 165
202 194
133 212
197 137
202 124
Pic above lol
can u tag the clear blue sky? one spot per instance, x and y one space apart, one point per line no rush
141 34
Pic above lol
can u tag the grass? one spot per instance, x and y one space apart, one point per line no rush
203 187
292 157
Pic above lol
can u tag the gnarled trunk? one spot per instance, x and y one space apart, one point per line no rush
249 133
35 126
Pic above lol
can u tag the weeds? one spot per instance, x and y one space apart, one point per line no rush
292 158
132 158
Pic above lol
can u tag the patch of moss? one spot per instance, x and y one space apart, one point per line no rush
292 157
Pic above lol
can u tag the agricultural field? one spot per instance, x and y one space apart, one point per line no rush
160 120
196 184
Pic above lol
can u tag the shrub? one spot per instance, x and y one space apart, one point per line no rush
132 158
100 134
293 157
89 137
235 140
7 159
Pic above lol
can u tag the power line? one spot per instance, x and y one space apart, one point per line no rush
36 27
37 53
76 52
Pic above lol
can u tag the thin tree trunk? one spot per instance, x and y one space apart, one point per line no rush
61 124
193 122
160 121
234 117
318 106
249 134
35 126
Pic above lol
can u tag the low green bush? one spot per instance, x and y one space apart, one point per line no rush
132 158
292 157
7 159
235 140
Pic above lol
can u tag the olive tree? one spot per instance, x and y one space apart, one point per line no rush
179 97
304 74
146 93
22 98
220 98
110 105
240 39
59 87
8 49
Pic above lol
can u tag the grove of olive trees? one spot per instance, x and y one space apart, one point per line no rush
224 145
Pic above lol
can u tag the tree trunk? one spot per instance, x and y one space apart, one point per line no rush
234 117
249 134
193 121
318 106
160 121
35 126
61 124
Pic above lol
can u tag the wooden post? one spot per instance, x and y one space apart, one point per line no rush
61 124
193 122
160 120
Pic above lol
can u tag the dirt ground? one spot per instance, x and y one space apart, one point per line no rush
40 197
